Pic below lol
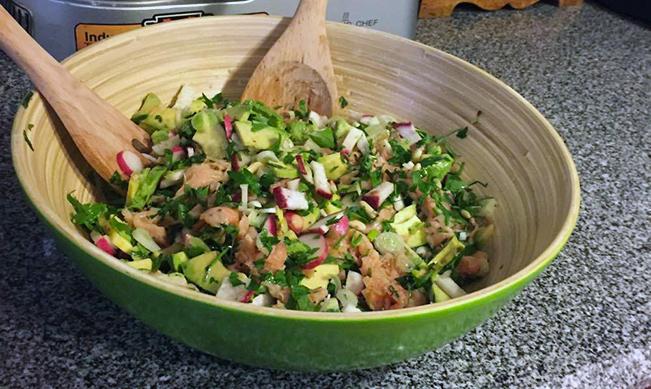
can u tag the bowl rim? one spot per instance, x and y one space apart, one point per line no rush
494 291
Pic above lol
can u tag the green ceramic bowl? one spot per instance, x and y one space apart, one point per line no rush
513 148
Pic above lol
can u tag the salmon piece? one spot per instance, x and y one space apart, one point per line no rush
247 251
219 216
338 245
382 294
417 297
243 226
382 291
278 292
473 266
207 174
318 295
147 220
276 259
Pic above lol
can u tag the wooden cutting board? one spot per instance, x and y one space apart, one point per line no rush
439 8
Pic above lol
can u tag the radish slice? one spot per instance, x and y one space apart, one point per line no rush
351 140
341 226
271 225
247 297
305 171
129 162
363 145
235 162
177 153
229 292
293 184
103 243
172 141
321 180
228 126
366 119
294 222
377 196
408 131
318 242
317 119
262 300
290 199
322 226
300 164
354 282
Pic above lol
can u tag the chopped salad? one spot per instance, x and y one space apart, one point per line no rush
293 210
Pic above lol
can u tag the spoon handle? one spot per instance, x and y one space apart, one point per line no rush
98 129
49 77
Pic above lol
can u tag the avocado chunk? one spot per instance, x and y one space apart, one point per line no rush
199 270
451 249
142 264
143 185
150 102
438 294
178 259
210 134
334 165
282 170
262 139
312 217
407 224
321 276
159 119
217 272
194 107
341 127
196 246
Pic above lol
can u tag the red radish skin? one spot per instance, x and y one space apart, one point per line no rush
321 180
366 119
322 226
351 139
300 164
271 224
177 153
408 131
290 199
318 242
294 222
321 230
247 297
228 126
129 162
104 244
341 226
235 162
377 196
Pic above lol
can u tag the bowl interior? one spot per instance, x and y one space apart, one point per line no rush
513 148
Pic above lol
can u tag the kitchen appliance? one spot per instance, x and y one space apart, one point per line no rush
65 26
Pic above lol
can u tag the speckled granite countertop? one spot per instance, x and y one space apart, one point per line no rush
583 323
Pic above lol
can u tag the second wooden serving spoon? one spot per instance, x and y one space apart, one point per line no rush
103 134
298 66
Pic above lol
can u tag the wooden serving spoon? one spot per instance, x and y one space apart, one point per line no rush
298 66
99 130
